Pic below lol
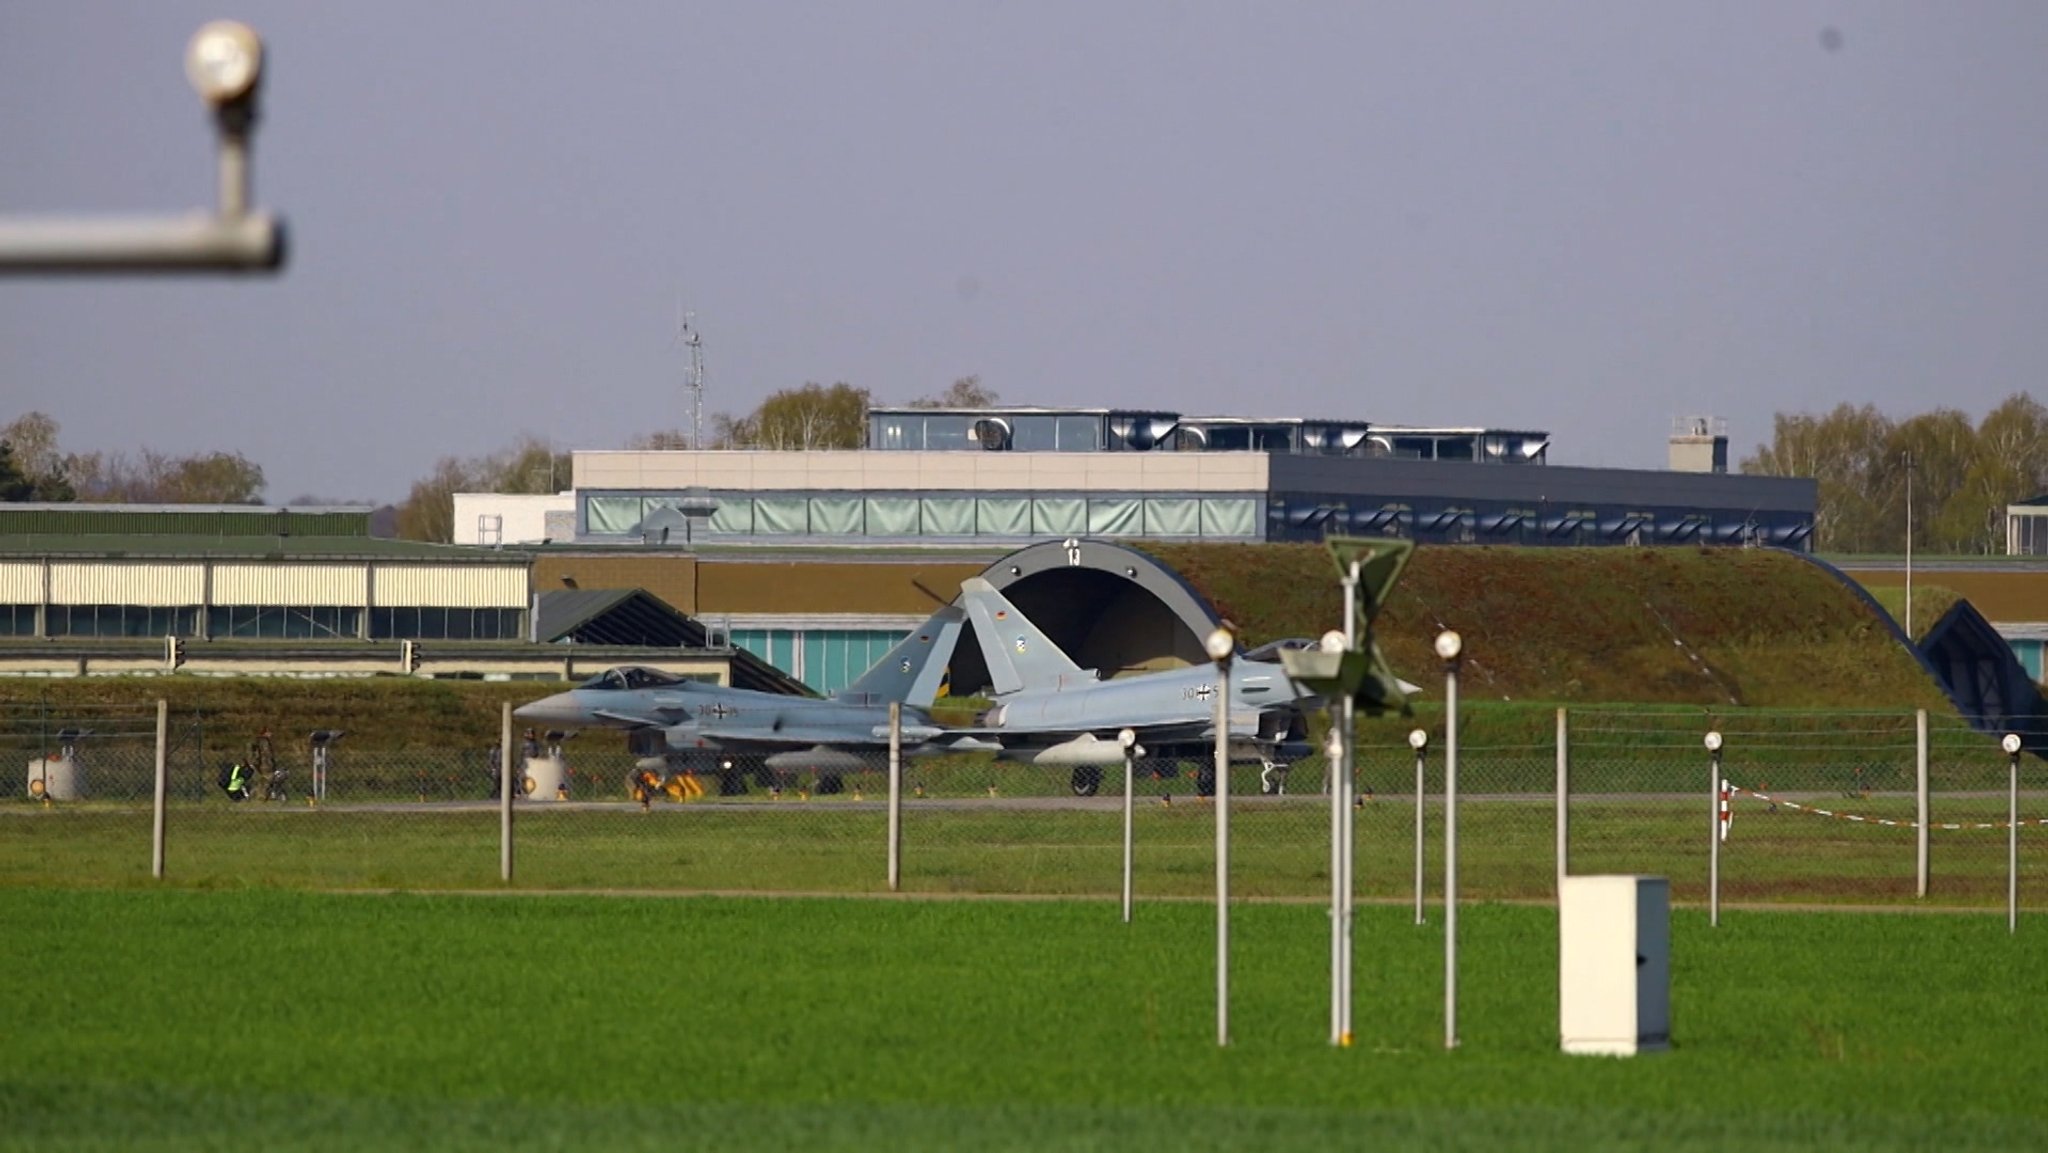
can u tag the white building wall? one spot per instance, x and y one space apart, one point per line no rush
520 518
21 582
449 586
291 584
133 583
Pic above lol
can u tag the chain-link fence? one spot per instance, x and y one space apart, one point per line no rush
1824 807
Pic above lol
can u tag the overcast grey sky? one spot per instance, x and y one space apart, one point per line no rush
1589 217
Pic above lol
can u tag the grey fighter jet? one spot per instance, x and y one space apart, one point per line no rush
1050 711
719 729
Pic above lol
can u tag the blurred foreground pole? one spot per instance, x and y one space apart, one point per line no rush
198 244
512 769
895 796
224 62
1920 800
156 824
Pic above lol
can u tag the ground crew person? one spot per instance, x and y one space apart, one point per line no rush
263 767
235 781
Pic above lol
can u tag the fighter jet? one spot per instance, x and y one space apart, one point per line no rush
718 729
1050 711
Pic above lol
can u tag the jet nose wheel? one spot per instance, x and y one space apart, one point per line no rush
1087 780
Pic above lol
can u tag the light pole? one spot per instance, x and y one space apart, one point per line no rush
1450 647
2011 744
1129 740
1418 739
1222 646
1713 743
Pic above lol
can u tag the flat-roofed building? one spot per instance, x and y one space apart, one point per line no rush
1010 476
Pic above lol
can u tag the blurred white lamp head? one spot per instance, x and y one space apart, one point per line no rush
1220 645
1449 644
224 61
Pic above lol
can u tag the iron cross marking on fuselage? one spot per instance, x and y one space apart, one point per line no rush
1204 692
721 710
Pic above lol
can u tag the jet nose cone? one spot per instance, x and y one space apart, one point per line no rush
560 708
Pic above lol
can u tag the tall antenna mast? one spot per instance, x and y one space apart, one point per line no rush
694 341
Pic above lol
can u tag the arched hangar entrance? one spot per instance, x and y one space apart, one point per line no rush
1111 608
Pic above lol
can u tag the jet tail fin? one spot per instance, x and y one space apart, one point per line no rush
1019 656
912 671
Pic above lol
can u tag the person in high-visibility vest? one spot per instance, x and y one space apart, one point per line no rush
234 780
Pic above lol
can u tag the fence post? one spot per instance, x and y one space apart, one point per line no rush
895 796
1920 799
505 796
163 772
1563 790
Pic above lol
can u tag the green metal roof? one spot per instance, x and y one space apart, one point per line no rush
212 520
275 548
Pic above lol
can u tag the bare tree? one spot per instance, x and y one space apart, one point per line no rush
966 392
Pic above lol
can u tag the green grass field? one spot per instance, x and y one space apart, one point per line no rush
1280 848
196 1020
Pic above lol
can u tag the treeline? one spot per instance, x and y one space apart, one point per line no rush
1961 475
34 467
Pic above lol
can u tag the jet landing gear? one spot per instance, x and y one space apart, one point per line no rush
1087 780
1272 778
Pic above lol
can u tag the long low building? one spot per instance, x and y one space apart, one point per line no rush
974 477
201 588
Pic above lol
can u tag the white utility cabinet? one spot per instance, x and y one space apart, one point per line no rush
544 778
56 778
1614 964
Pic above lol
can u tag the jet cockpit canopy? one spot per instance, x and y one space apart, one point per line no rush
629 677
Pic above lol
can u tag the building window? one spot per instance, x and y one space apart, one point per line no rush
451 624
294 622
949 433
896 433
1230 516
782 516
123 620
17 620
1034 434
1080 433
